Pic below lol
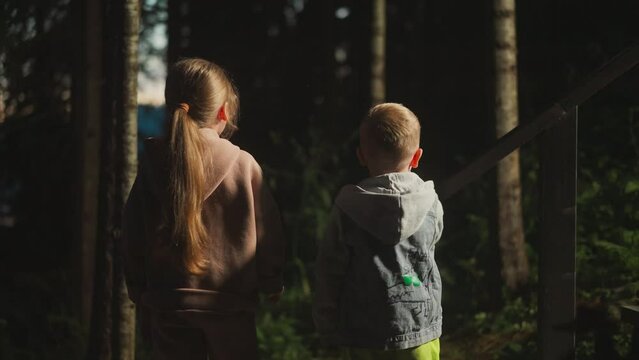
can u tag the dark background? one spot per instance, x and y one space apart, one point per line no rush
300 106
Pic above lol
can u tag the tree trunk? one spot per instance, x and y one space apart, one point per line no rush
101 336
511 232
378 52
87 94
113 322
98 14
128 137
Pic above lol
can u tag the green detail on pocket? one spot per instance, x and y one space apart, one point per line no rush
408 280
411 280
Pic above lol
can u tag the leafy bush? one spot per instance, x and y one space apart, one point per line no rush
284 330
36 322
278 338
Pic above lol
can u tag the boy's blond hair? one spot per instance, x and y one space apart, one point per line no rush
390 133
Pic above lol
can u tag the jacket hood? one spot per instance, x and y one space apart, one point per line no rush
219 157
391 207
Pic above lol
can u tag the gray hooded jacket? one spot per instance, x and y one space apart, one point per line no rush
377 284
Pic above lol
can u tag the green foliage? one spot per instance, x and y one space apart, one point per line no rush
607 248
316 176
35 322
278 338
505 334
608 205
30 82
284 330
608 216
517 315
65 338
481 318
5 342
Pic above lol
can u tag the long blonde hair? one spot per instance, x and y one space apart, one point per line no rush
195 91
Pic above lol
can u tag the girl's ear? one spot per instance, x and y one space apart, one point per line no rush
221 114
360 156
414 162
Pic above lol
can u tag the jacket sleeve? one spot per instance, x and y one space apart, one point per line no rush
271 245
134 242
330 274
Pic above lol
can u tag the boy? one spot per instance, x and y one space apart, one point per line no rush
378 289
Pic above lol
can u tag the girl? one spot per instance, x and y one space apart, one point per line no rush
201 233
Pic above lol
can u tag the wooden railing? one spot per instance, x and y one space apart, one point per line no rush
557 128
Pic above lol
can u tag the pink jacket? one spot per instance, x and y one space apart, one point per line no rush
246 249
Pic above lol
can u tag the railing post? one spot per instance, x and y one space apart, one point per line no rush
558 240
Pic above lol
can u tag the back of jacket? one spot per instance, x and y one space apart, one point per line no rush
377 283
245 246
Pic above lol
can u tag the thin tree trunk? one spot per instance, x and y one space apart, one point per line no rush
113 322
128 142
87 94
100 336
511 232
378 52
101 322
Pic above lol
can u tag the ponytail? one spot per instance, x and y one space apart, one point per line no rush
195 90
186 189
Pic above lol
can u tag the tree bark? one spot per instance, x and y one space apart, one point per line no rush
87 94
510 222
100 336
127 141
378 52
113 321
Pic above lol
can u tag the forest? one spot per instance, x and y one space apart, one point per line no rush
81 85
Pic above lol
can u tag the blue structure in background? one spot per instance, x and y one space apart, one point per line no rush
151 122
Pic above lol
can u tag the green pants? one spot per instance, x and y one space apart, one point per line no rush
428 351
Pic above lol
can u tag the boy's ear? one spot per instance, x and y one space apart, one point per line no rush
360 156
414 162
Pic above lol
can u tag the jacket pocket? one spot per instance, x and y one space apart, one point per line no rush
391 320
409 317
405 310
